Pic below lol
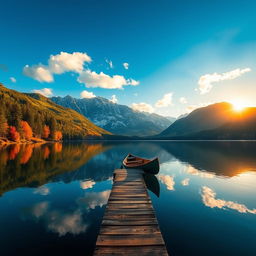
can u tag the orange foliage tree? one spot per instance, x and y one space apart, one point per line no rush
46 132
27 130
58 135
13 134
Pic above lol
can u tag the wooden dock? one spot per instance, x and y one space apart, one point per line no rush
129 226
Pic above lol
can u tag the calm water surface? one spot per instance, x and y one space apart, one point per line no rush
53 197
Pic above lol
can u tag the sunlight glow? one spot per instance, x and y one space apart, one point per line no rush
239 105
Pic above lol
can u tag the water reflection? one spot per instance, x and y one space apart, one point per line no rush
209 199
57 193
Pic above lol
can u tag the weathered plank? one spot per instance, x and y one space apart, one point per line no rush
129 226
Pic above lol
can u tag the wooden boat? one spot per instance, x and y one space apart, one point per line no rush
147 165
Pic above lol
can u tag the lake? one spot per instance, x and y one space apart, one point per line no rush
53 196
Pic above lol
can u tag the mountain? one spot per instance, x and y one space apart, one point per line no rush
39 111
216 121
118 119
205 118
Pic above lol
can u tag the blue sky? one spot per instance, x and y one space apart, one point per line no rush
169 46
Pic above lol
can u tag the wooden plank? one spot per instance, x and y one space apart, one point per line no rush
130 240
129 230
129 225
132 250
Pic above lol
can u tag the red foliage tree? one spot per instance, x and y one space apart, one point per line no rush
13 134
27 130
46 132
58 135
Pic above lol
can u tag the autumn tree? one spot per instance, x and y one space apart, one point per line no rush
58 135
26 129
14 135
46 132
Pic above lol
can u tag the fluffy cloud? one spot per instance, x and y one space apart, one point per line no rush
43 190
87 95
126 65
165 101
205 82
185 182
168 181
65 62
110 63
47 92
39 72
183 100
142 107
209 199
102 80
74 62
114 99
87 184
13 79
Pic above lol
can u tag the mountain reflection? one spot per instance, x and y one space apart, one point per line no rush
220 158
34 165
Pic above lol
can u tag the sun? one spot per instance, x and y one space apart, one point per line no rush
239 105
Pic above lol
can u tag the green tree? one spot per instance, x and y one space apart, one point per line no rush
3 123
53 127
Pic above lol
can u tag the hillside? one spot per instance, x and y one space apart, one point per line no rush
210 117
40 112
118 119
214 122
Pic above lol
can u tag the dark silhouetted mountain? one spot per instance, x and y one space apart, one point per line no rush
206 118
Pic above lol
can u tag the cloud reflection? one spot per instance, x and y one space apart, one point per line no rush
204 174
87 184
94 199
43 190
185 182
209 199
168 180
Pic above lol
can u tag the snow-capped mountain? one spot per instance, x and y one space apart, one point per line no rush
118 119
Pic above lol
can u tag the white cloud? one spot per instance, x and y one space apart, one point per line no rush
183 100
200 105
93 79
93 199
39 72
165 101
43 190
87 95
126 65
168 180
142 107
185 182
87 184
114 99
47 92
205 82
64 62
13 79
110 63
209 199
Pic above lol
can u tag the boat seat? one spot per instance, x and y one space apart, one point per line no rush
135 162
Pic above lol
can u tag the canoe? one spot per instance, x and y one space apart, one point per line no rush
147 165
